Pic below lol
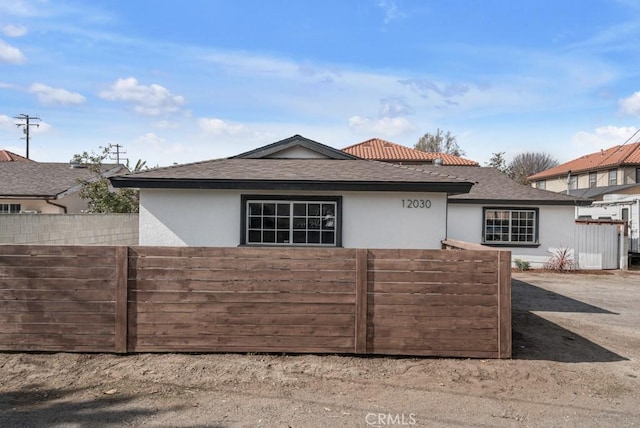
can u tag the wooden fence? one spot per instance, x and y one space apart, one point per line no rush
297 300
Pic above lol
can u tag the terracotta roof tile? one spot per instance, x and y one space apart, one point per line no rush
7 156
382 150
628 154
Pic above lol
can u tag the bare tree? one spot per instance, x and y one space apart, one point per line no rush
526 164
439 142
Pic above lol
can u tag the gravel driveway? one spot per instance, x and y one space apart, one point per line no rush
576 363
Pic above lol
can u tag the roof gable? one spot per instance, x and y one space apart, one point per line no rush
386 151
626 154
296 147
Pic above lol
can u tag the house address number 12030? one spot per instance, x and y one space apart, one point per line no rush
416 203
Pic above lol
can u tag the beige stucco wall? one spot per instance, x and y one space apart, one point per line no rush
69 229
73 203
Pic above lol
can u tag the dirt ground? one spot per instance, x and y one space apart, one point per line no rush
576 364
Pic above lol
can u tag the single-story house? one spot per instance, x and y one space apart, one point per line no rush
43 187
300 192
295 192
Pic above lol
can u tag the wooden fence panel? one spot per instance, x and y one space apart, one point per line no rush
57 298
242 300
419 304
185 299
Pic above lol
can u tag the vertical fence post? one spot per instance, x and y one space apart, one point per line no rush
361 301
122 263
504 304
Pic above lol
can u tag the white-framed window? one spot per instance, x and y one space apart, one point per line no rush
573 182
10 208
541 184
613 177
304 221
513 226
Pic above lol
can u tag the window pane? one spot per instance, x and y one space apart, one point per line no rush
268 209
283 223
283 237
268 236
314 209
300 209
255 209
299 223
313 237
328 237
299 237
255 222
283 210
254 236
269 222
313 223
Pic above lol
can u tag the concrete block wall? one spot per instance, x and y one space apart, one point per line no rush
69 229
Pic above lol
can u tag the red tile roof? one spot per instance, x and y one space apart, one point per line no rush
381 150
7 156
627 154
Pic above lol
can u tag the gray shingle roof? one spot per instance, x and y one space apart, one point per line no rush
295 174
34 179
492 186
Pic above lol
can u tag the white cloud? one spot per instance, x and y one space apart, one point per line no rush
166 124
153 141
152 100
7 122
631 105
10 55
11 30
602 138
217 126
394 107
390 9
55 96
386 126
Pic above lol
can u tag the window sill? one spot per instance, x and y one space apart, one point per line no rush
512 244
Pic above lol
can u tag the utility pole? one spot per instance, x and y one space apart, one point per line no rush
27 124
117 153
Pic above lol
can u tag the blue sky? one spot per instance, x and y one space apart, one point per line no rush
193 80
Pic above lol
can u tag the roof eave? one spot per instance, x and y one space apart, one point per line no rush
577 202
451 188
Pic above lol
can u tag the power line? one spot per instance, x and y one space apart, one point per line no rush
27 125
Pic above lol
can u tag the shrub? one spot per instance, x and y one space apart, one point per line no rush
522 265
561 260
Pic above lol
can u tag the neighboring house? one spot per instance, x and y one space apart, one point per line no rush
53 188
612 171
295 192
386 151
